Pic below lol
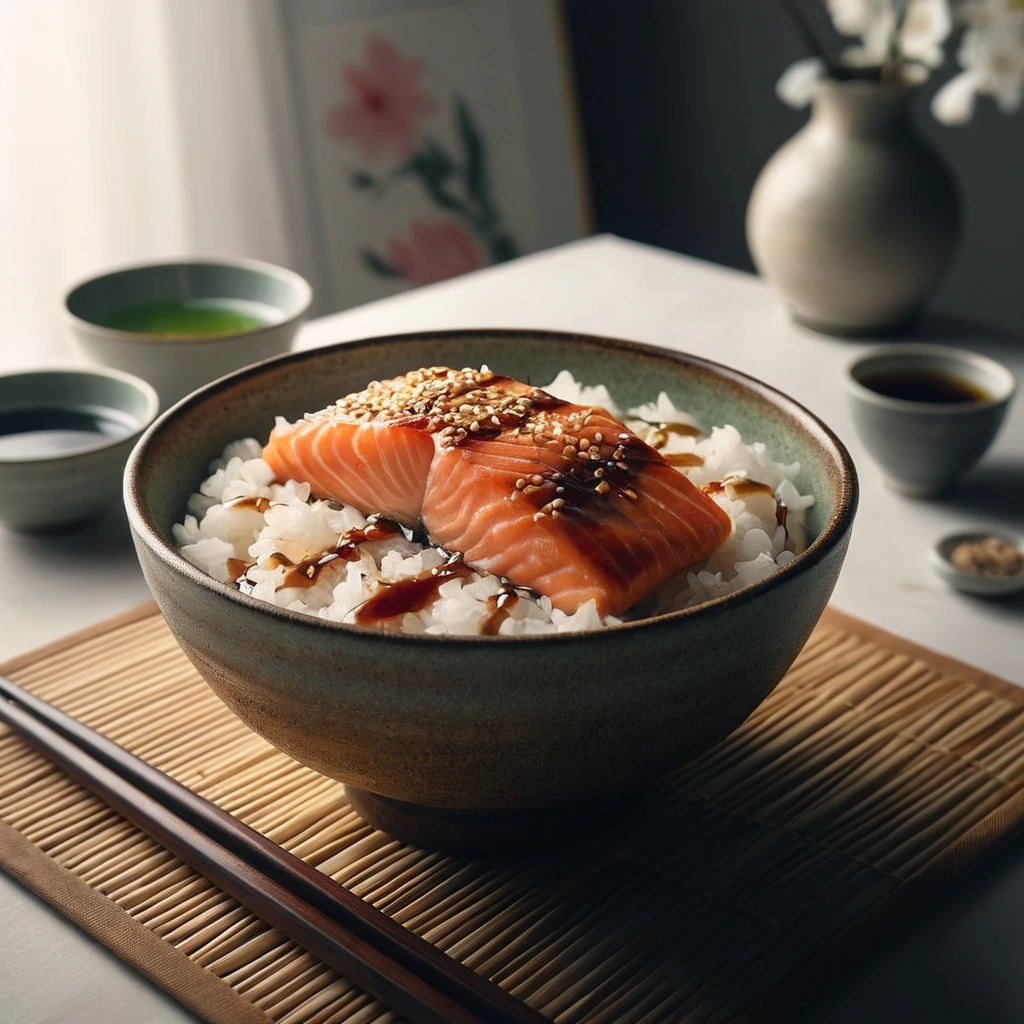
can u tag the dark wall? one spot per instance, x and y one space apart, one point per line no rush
679 112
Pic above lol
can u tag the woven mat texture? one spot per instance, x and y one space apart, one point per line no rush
874 775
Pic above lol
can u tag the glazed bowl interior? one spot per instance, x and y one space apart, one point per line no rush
489 724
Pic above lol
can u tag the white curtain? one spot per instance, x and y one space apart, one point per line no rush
129 130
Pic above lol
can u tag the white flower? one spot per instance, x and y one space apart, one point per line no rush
873 20
985 13
992 55
799 82
856 17
995 54
924 30
913 74
954 102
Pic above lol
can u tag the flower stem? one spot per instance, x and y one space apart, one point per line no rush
891 68
807 34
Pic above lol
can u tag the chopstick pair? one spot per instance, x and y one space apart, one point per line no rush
412 977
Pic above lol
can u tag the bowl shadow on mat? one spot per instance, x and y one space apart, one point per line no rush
954 966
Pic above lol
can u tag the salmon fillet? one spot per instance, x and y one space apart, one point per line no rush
557 497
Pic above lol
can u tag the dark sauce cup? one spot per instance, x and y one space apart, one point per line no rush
927 413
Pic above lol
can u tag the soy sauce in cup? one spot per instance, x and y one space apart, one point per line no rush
924 386
926 413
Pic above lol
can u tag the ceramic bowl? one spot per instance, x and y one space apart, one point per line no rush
922 447
972 582
177 365
65 436
482 743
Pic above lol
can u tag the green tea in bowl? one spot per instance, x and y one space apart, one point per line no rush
191 318
181 325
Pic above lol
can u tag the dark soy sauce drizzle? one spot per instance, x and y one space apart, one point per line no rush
744 487
256 504
680 429
499 609
399 597
924 386
43 432
684 459
305 574
741 486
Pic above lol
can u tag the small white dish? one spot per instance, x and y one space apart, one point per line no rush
972 582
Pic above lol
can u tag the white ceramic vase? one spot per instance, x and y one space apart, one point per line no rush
855 219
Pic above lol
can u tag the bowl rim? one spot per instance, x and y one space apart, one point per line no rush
833 533
145 421
304 292
927 351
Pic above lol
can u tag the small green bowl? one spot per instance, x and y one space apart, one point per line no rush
67 479
174 363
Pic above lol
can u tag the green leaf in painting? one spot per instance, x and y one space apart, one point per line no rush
377 264
503 248
432 176
440 162
361 181
476 159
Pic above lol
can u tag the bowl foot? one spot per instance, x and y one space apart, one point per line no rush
497 832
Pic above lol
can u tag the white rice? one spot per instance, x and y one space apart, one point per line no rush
292 525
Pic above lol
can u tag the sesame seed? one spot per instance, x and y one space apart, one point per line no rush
536 480
603 487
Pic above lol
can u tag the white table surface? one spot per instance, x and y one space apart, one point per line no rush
963 961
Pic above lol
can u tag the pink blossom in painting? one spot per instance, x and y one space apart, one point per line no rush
435 251
385 104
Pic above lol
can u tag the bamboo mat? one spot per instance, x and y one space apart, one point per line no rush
875 774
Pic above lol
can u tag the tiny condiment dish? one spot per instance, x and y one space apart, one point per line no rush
927 413
972 582
268 303
65 436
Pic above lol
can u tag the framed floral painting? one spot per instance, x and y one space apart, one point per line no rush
434 137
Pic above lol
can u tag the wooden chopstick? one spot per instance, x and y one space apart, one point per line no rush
414 978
